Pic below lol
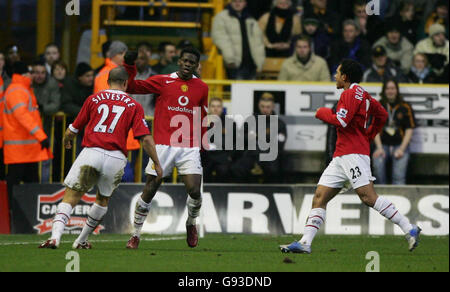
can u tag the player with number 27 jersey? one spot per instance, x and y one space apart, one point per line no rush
108 116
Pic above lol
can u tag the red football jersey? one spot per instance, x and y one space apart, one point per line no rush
353 110
108 116
177 120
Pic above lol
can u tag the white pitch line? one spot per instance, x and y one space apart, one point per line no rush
95 240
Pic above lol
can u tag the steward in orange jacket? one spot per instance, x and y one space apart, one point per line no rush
2 165
22 124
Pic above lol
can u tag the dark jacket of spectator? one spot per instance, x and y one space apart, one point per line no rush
359 51
74 96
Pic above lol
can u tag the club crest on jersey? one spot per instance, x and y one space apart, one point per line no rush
47 205
153 166
184 88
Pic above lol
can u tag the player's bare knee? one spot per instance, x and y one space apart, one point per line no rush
194 192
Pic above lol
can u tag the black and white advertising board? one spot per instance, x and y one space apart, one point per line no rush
248 209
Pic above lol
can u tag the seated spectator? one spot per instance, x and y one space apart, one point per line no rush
240 41
304 65
399 50
350 46
406 20
320 40
382 68
76 89
217 160
439 15
51 55
436 47
368 25
59 72
393 142
167 53
278 27
420 71
330 20
249 162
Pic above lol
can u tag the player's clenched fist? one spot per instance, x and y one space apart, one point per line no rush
130 57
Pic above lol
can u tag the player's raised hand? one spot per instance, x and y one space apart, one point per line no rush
130 57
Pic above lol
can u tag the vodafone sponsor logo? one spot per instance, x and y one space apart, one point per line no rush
47 205
182 101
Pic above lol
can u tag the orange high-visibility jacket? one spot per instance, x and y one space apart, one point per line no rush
22 124
2 89
101 83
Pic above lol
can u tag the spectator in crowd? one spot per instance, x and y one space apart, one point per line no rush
304 65
406 21
420 71
105 49
116 54
240 40
436 47
59 72
146 48
368 25
399 50
350 46
330 20
22 123
76 89
173 67
144 71
12 54
51 55
2 91
3 75
217 160
320 40
48 96
74 93
439 15
382 68
393 142
278 26
167 53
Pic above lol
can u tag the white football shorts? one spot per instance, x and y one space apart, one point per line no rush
353 168
96 166
186 160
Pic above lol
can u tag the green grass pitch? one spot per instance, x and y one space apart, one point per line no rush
226 253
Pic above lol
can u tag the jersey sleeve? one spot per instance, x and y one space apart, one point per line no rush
150 85
380 116
347 107
139 124
82 118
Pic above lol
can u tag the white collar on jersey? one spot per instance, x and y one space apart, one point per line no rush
174 75
353 85
115 91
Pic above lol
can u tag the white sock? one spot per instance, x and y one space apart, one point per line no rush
95 216
193 210
60 221
315 220
140 214
390 212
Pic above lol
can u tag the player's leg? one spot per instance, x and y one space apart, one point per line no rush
95 216
192 183
387 209
330 184
112 170
62 217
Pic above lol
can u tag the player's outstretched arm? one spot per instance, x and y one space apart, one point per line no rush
149 146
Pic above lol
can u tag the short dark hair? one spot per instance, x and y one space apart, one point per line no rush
38 63
352 69
49 45
303 38
59 63
144 44
20 68
118 74
191 50
162 46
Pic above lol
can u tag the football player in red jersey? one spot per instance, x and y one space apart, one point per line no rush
107 117
351 160
181 98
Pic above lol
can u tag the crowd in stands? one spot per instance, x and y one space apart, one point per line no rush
314 34
407 42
